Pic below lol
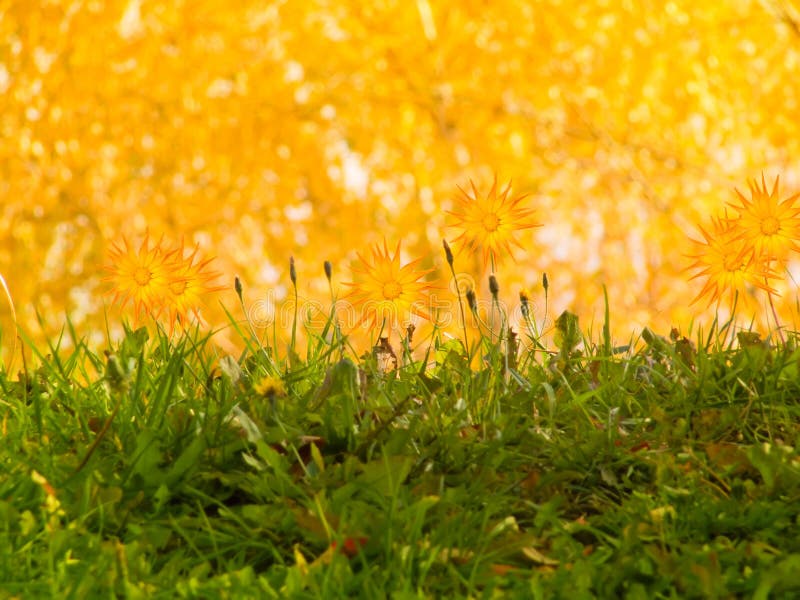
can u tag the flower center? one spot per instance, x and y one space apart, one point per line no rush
490 222
770 226
142 276
392 290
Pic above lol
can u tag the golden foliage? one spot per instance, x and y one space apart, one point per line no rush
264 130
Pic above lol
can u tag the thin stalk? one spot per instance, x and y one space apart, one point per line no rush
494 301
337 332
239 293
294 321
293 278
101 434
483 327
546 286
491 322
336 338
14 319
461 308
777 320
449 256
380 331
533 331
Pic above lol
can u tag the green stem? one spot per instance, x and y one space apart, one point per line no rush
101 434
494 301
777 320
461 309
294 319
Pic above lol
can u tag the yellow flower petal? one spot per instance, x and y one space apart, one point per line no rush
490 222
386 292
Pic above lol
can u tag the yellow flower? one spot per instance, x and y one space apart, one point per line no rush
189 286
141 276
387 291
727 264
490 222
270 388
157 280
766 224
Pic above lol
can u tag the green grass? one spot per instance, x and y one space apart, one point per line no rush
156 471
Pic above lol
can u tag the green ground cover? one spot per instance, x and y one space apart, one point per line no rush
666 469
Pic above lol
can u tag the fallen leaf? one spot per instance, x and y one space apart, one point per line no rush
499 569
537 557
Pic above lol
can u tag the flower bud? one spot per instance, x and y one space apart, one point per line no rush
494 287
448 253
525 305
471 301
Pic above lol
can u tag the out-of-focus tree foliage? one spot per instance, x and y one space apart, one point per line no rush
314 128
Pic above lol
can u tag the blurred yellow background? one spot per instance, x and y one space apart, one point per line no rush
262 130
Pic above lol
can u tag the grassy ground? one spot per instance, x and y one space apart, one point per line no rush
162 470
